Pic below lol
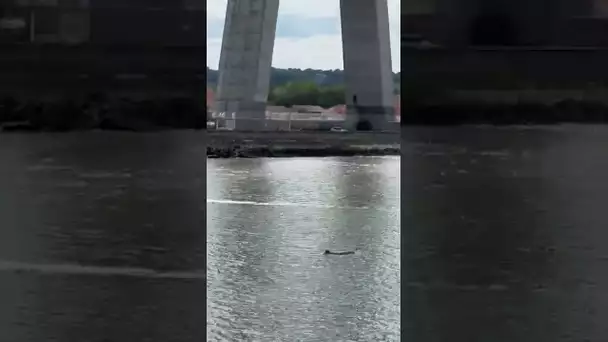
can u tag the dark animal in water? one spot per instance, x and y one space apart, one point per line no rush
338 253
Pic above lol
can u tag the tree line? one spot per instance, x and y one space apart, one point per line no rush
289 87
307 93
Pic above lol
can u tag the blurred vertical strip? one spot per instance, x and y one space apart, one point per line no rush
124 48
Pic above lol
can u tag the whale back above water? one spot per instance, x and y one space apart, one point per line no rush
327 251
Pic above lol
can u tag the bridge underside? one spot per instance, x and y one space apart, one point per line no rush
246 60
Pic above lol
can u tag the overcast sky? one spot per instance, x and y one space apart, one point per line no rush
308 34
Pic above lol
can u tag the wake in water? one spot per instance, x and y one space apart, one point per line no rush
75 269
290 204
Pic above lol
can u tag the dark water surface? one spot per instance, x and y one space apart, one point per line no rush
505 238
269 221
505 234
102 237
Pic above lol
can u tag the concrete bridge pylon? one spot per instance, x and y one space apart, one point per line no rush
246 59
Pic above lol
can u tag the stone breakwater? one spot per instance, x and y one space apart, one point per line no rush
238 151
313 144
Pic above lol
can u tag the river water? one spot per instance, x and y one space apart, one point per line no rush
102 238
269 222
505 234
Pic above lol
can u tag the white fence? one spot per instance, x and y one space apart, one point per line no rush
288 116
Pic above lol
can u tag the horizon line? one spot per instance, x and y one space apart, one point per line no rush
393 71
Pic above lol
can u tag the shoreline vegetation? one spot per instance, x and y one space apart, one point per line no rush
184 113
289 87
285 151
171 114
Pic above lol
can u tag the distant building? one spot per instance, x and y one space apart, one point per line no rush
336 112
308 109
210 98
339 109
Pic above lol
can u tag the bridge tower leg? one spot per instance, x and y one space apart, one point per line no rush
367 63
245 61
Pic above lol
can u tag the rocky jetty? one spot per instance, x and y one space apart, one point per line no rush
300 144
237 151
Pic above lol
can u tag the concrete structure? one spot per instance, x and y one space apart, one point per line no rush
246 60
337 112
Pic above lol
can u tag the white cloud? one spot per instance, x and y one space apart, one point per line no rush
310 8
317 51
216 9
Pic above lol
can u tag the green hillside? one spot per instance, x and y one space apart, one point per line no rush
282 77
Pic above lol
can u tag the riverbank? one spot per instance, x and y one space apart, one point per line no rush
300 144
185 113
282 151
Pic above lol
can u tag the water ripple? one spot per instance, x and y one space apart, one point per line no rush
75 269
